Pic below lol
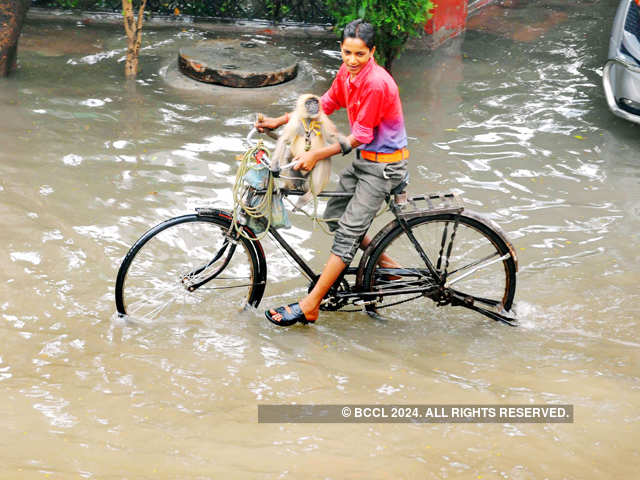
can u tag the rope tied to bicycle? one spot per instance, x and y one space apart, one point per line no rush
257 199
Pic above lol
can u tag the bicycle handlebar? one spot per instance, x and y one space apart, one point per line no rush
267 131
249 141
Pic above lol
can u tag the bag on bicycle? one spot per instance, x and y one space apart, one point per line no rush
258 178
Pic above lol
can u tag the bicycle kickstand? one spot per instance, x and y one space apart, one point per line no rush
498 317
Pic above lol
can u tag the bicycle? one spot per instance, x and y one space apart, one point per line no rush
441 250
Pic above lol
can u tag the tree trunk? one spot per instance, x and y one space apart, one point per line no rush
393 50
133 29
390 54
12 13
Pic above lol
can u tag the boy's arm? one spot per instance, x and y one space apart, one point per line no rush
271 123
307 160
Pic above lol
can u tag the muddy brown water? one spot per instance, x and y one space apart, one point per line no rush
519 128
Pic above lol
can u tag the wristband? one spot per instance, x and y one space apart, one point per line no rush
345 146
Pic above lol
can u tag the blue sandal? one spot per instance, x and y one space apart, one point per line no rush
289 317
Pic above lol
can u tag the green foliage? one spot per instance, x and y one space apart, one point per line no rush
276 9
394 20
312 11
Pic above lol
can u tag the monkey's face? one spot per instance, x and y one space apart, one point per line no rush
309 106
312 106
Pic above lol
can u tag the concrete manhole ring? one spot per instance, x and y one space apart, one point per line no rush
237 63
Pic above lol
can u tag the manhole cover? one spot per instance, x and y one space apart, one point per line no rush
236 63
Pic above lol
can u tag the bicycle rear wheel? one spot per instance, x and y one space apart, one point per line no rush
481 265
186 267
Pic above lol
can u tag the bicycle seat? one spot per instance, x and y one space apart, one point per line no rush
401 186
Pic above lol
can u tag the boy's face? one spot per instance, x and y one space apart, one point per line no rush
355 54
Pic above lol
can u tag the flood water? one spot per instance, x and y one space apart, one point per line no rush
517 124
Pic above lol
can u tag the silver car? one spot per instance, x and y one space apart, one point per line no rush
621 75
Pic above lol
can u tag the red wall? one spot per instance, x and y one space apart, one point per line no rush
449 20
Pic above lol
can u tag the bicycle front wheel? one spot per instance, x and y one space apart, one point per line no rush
187 267
476 261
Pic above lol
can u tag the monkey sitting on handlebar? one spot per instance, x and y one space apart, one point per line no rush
308 128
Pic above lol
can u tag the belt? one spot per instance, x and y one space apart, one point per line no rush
396 156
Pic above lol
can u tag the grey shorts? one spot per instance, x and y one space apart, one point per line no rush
369 182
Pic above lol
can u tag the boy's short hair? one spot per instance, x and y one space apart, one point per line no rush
362 30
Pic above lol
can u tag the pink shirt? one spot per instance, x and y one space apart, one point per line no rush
373 107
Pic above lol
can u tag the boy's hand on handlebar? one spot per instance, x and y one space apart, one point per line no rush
268 123
305 161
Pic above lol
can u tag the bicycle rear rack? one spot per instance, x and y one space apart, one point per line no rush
430 203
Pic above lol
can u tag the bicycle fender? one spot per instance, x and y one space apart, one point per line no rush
216 212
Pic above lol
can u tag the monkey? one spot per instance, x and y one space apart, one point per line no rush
308 128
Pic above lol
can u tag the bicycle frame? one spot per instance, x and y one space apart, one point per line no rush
432 290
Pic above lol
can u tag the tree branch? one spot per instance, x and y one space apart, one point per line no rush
141 15
127 12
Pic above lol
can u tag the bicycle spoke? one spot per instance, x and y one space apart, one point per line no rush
479 265
422 278
402 272
233 278
228 287
472 264
156 311
153 312
152 297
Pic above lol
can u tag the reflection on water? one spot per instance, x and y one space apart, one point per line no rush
518 126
